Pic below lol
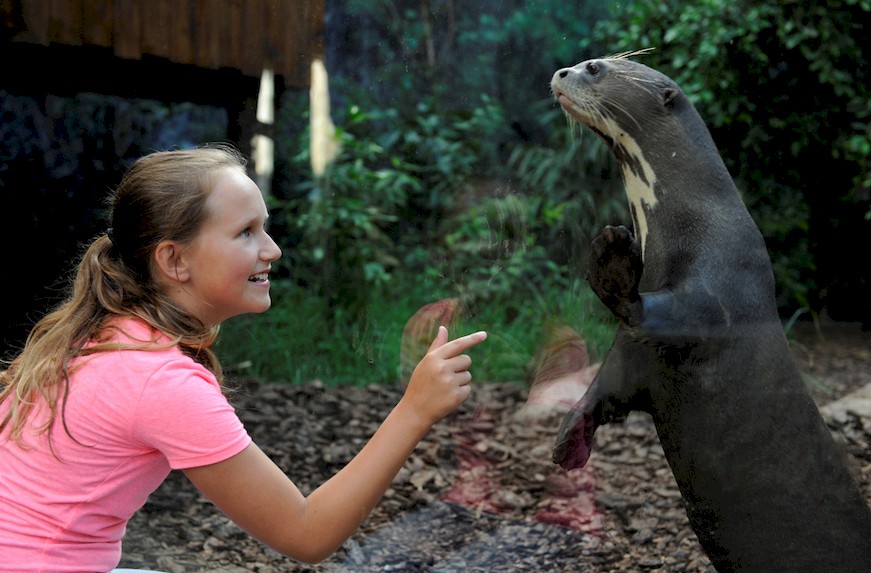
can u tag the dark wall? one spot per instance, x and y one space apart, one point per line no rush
63 147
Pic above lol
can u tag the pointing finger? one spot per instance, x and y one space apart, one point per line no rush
463 343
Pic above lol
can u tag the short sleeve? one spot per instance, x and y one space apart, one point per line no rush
183 413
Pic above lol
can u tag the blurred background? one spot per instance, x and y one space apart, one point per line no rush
415 164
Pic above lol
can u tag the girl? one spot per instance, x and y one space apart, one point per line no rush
119 385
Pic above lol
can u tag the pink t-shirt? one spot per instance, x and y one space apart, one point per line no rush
135 415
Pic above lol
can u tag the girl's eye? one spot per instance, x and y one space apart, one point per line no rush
246 233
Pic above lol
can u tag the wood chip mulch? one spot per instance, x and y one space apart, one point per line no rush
480 492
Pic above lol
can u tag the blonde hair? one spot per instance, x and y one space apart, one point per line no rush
161 197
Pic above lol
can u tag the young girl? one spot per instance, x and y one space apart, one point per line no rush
119 385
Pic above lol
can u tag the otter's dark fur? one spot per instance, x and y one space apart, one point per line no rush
700 345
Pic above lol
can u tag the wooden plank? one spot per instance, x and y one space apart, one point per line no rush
156 16
65 22
230 34
247 35
287 37
26 21
128 29
316 26
97 22
207 47
8 11
306 30
181 37
253 24
273 31
314 47
35 15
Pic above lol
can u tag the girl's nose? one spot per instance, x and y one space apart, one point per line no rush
271 251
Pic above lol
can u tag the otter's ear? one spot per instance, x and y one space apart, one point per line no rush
170 263
669 95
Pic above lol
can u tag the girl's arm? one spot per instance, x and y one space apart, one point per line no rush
256 494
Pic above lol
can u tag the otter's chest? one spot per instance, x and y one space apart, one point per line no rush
639 180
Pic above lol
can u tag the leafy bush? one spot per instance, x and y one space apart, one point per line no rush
389 186
345 217
577 182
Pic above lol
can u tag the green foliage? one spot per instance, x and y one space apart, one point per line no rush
517 332
575 178
445 147
418 197
294 343
471 185
455 51
494 256
300 340
344 218
395 174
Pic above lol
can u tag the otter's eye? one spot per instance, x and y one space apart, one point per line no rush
593 68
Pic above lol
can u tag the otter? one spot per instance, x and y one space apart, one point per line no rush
699 344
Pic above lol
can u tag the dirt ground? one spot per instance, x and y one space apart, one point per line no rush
480 492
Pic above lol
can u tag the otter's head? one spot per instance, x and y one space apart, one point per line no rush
644 118
618 98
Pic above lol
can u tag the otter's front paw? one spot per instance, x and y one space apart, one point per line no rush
614 271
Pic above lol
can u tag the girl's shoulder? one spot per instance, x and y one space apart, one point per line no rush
131 345
133 332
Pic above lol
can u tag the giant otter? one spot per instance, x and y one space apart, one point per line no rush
700 345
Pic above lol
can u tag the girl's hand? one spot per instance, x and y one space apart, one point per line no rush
440 382
257 495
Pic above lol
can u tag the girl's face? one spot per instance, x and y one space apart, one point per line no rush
229 260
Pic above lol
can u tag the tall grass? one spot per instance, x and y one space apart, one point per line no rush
301 339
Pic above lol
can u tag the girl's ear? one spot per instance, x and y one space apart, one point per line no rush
170 263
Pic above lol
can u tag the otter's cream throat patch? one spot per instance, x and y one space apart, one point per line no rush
638 176
638 179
